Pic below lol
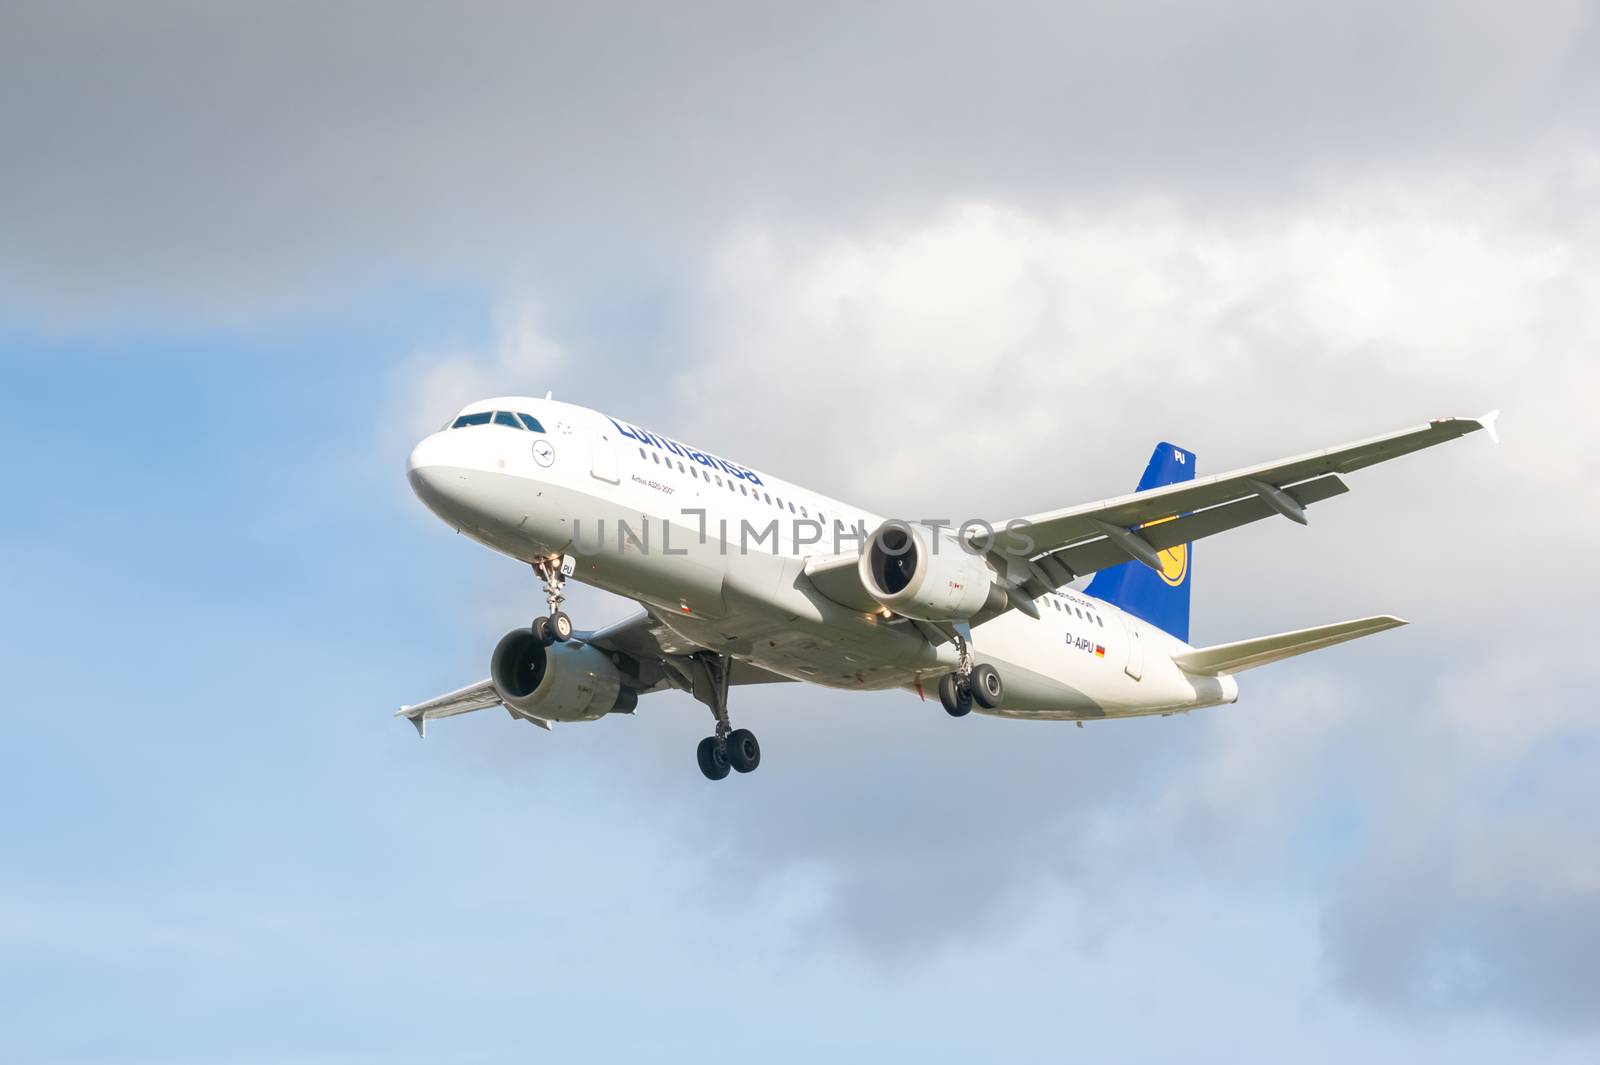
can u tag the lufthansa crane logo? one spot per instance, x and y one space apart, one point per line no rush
543 453
1174 559
1175 564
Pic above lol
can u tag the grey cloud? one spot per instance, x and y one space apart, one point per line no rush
918 835
218 160
1480 892
1413 947
1476 885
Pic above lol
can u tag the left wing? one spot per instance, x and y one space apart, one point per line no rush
1083 539
1061 545
652 655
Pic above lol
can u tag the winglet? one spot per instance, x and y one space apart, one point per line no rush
1487 421
416 717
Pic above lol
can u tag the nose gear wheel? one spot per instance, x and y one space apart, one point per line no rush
557 627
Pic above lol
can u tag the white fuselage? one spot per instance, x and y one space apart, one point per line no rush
691 536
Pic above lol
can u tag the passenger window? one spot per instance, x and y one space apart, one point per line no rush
507 419
480 418
533 423
719 480
743 490
791 506
642 454
656 457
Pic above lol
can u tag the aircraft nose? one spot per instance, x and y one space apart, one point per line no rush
422 457
453 473
436 473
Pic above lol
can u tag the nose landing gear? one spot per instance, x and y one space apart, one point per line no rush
554 571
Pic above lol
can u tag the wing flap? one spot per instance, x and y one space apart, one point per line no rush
1095 555
1248 654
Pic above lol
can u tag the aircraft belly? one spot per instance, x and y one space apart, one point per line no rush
776 620
795 652
756 606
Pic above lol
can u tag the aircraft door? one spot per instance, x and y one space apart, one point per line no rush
1135 666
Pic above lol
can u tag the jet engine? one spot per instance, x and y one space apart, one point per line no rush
569 681
905 571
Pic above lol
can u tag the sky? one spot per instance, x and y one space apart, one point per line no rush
942 259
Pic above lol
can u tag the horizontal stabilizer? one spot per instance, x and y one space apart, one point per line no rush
1247 654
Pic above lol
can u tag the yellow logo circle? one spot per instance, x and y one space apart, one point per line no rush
1175 564
1174 560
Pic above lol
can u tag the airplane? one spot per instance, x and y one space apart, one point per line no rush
747 579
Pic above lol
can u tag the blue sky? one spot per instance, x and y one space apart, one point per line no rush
226 313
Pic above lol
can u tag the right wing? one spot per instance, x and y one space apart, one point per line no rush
652 656
479 696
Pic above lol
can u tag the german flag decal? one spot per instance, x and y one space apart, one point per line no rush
1099 652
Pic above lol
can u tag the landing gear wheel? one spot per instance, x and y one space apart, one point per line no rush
713 758
542 632
560 626
986 686
744 753
956 696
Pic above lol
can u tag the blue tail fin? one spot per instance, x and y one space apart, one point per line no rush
1162 598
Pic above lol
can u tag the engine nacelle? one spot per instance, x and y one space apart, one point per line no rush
902 571
568 681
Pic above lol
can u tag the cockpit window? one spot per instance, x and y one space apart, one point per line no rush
509 419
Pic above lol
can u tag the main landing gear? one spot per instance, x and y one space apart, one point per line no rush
730 748
969 684
557 628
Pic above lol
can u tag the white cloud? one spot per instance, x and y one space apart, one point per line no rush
429 387
987 344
